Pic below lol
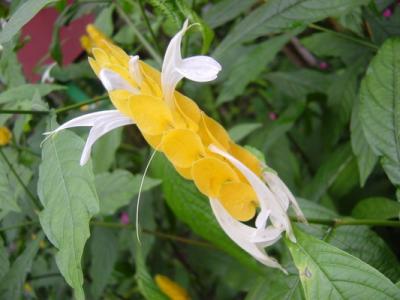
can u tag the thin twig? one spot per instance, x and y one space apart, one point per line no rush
35 200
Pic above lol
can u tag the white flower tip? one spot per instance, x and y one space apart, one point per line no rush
199 68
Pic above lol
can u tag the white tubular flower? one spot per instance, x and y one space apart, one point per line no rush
197 68
101 123
46 77
274 198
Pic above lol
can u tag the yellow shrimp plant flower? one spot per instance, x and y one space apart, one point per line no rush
170 288
199 148
5 136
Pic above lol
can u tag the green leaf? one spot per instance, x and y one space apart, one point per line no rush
366 158
380 107
297 84
226 10
277 15
240 131
104 254
376 208
327 44
147 286
27 91
68 194
193 209
104 20
22 16
4 262
10 67
330 170
329 273
366 245
104 151
117 189
12 282
248 67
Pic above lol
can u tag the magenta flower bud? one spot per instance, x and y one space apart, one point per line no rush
387 13
124 218
323 65
272 116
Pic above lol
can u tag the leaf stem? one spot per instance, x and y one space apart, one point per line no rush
349 221
35 200
142 39
345 36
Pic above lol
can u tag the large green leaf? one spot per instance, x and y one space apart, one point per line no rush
248 67
240 131
366 158
193 209
11 284
376 208
104 151
277 15
22 16
117 189
380 107
226 10
4 262
329 273
68 194
27 91
104 253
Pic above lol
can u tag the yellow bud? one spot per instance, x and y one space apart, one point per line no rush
5 136
170 288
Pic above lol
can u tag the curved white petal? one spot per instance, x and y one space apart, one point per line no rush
101 123
113 81
199 68
174 68
134 69
267 199
277 184
46 74
98 130
242 235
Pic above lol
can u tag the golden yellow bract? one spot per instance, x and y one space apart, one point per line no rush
5 136
170 288
180 130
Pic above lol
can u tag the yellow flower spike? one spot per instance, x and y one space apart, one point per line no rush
212 132
101 57
184 172
170 288
151 114
182 147
153 140
120 99
94 65
210 173
239 200
86 43
5 136
247 158
189 110
124 73
95 34
117 53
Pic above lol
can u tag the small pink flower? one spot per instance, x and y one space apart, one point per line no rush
323 65
387 13
272 116
124 218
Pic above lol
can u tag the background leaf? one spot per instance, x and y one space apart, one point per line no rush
67 192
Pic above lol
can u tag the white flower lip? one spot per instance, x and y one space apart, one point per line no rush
101 123
113 81
196 68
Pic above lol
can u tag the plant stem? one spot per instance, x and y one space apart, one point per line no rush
24 224
147 22
349 221
23 112
151 232
142 39
80 104
35 200
345 36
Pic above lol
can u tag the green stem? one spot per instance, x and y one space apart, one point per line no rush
345 36
142 39
80 104
151 232
35 200
147 22
349 221
20 225
23 112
